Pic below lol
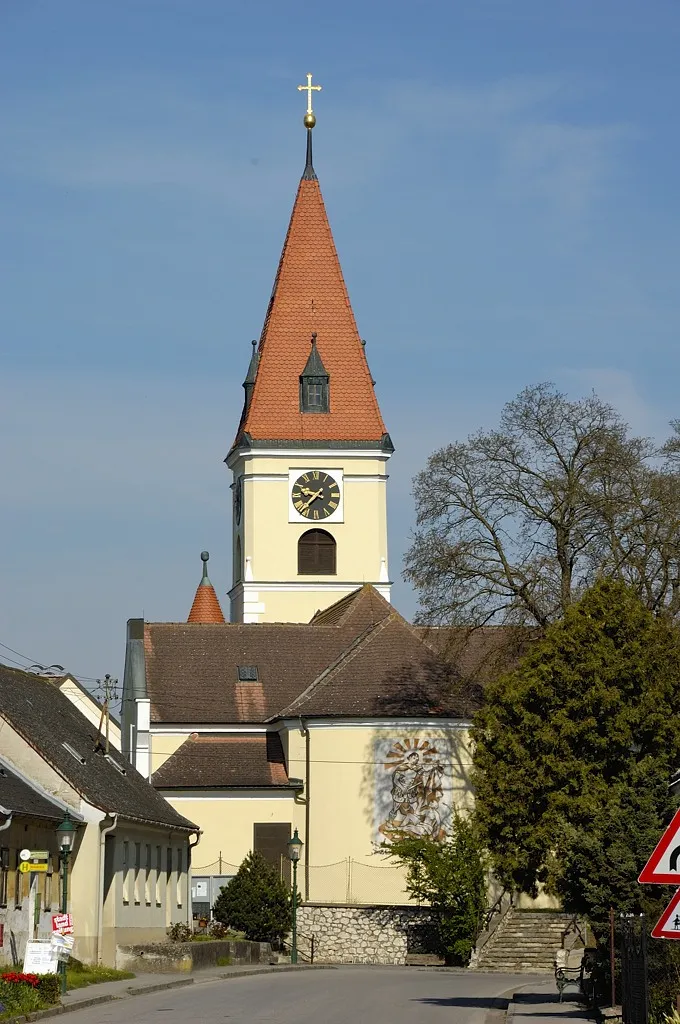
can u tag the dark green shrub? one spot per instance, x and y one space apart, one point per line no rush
49 987
256 901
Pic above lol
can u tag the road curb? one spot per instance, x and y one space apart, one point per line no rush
283 969
160 987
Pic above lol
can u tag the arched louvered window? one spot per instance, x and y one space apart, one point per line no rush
316 554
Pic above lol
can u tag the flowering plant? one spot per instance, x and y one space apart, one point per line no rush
17 978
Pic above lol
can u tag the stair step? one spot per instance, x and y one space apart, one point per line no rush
526 941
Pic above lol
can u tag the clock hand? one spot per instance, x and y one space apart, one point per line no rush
312 497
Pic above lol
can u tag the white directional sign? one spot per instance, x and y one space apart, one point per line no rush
663 867
25 855
668 925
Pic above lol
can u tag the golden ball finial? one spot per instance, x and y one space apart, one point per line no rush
310 120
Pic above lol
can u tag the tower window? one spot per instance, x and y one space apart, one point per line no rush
316 554
314 396
314 383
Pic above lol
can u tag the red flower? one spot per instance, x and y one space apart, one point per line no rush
17 978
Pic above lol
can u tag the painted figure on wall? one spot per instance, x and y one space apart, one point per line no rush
416 792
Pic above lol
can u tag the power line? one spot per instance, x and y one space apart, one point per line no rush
35 661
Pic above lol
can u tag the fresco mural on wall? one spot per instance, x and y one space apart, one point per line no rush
412 788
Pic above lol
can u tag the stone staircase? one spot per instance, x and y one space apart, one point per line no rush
525 940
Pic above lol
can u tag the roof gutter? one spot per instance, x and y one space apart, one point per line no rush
305 732
192 847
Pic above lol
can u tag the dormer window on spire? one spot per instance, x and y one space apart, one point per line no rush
314 386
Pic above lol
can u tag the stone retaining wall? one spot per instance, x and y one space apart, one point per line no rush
358 935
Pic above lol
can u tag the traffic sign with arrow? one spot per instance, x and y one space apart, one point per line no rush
663 867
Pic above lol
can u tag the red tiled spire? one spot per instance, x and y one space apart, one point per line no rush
206 607
310 297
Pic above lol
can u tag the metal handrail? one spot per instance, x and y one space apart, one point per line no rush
573 923
309 957
492 911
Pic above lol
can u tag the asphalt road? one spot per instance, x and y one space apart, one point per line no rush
346 995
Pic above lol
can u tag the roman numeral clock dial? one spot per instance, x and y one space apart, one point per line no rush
316 495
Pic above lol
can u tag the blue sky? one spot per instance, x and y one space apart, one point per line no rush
501 179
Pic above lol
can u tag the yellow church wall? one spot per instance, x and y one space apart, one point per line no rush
227 819
343 777
345 772
347 795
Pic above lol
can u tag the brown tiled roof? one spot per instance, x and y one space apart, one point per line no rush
361 608
46 718
18 797
212 760
310 296
480 652
388 672
377 663
206 607
192 669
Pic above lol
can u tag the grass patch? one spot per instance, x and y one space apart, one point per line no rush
223 961
79 975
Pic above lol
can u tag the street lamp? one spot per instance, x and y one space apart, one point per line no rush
66 833
294 850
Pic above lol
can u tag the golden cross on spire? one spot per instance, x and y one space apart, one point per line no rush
310 119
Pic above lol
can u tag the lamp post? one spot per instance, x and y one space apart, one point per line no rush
66 832
294 850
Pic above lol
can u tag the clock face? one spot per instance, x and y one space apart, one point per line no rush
316 495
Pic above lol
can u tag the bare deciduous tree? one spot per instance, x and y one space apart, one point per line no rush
515 522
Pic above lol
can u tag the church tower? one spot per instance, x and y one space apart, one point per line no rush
310 454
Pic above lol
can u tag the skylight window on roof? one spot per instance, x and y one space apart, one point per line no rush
118 767
73 752
247 674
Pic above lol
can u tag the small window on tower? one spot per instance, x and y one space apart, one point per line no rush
314 396
314 390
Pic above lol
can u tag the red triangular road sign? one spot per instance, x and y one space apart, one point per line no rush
663 867
668 925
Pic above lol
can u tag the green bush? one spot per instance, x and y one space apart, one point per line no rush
256 901
49 987
450 876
